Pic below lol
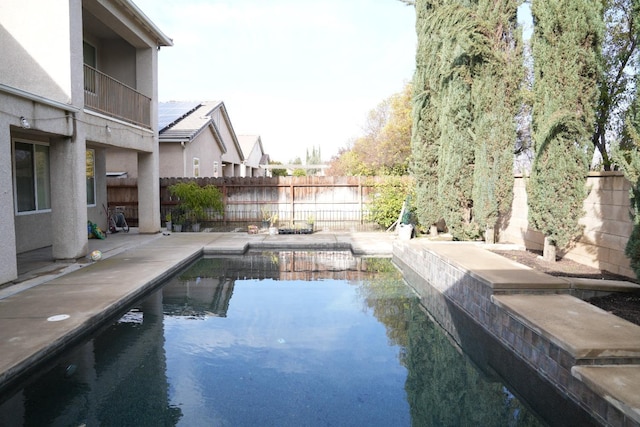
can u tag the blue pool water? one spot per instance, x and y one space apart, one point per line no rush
270 339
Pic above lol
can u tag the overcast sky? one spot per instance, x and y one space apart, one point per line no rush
299 73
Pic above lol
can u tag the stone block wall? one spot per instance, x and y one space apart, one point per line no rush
606 220
446 289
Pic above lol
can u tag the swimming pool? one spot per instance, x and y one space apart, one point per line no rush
271 338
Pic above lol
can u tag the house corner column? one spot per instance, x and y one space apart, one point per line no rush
148 192
148 162
69 196
8 260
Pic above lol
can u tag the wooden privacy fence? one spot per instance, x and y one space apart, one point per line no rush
331 203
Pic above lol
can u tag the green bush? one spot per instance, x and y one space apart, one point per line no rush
386 204
195 200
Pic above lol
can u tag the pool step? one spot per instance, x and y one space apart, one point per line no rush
587 333
592 353
618 384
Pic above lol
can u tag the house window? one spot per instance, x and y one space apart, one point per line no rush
91 177
31 174
91 59
215 169
89 54
196 167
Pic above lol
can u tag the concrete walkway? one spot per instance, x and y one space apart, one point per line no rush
54 304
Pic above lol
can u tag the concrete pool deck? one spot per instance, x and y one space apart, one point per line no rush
54 304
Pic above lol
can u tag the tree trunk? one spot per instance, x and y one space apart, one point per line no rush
549 251
490 235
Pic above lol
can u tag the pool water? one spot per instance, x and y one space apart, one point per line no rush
270 339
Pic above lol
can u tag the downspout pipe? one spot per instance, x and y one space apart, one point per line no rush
184 159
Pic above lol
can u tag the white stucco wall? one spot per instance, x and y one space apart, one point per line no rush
35 38
8 266
96 214
120 160
171 160
207 149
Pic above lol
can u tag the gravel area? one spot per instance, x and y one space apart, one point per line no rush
623 304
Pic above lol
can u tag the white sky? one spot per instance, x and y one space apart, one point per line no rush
299 73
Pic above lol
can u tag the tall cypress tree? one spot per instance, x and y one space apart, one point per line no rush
466 82
497 75
425 130
441 148
455 171
566 45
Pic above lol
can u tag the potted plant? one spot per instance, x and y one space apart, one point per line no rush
273 221
406 227
196 200
310 222
266 217
179 222
167 219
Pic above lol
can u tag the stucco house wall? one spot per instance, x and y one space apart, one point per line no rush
29 64
171 160
43 98
233 157
177 160
120 160
207 150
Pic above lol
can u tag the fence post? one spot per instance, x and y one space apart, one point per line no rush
224 202
360 195
292 190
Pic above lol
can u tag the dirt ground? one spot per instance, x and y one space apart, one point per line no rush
623 304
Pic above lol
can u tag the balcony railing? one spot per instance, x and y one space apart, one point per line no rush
113 98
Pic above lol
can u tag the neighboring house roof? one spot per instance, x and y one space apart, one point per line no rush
169 113
249 142
181 121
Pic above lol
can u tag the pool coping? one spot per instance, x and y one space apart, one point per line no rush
558 335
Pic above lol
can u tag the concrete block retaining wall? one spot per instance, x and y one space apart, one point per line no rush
606 221
441 285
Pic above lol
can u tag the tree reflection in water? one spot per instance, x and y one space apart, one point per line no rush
444 388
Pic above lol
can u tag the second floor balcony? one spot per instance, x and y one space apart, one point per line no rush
110 97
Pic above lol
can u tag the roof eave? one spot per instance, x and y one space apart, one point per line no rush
161 38
233 132
218 137
174 139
